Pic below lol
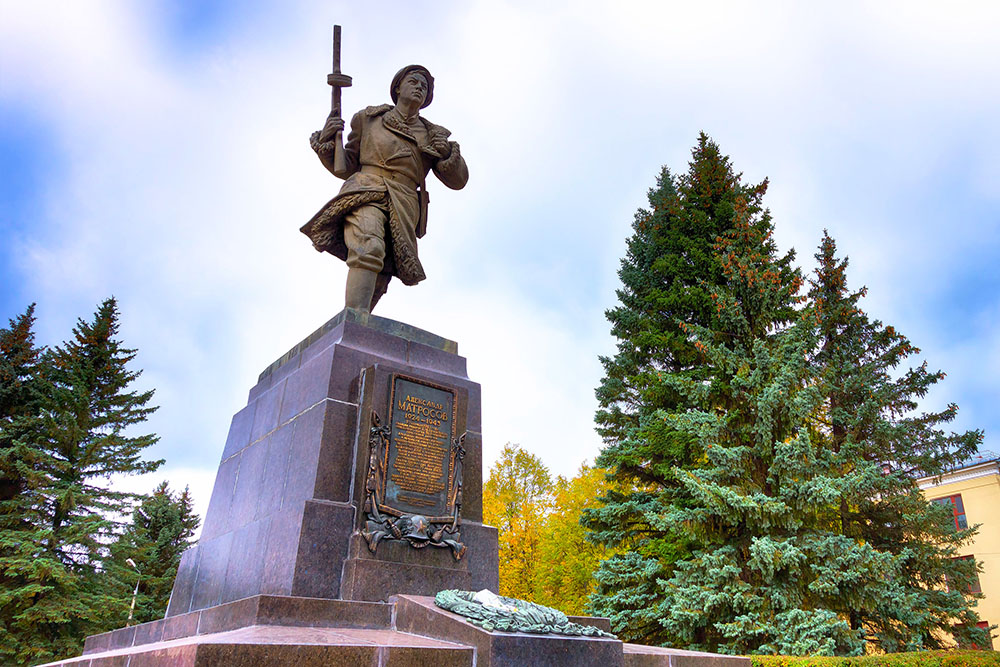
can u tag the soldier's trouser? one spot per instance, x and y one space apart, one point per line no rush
364 236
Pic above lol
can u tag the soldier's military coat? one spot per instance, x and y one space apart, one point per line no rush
386 164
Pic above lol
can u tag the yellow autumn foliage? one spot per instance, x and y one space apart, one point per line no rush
544 556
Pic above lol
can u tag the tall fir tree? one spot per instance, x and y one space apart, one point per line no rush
161 529
803 529
668 275
879 445
76 439
754 581
23 566
20 399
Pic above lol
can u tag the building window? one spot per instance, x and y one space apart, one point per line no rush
984 625
975 586
957 509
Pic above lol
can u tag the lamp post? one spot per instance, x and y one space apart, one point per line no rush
138 575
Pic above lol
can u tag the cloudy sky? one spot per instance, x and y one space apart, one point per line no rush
157 152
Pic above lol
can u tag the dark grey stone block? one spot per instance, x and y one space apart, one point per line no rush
336 455
279 445
482 556
400 552
180 596
637 655
288 492
472 478
347 366
419 656
97 643
286 369
122 637
229 616
213 561
268 406
303 457
263 384
398 567
239 431
307 385
246 561
474 412
368 339
282 546
147 633
322 343
376 581
249 483
599 622
217 516
109 661
183 625
175 656
275 655
426 357
315 612
326 529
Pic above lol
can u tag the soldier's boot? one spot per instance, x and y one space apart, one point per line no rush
360 289
381 287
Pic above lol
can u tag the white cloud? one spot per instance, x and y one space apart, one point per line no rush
179 180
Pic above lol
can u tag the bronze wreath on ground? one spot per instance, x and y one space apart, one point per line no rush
496 613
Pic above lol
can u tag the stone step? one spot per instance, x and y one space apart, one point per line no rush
262 610
408 630
637 655
274 646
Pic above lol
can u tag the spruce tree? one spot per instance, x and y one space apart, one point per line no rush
755 580
23 565
19 399
160 531
76 439
805 531
668 275
880 445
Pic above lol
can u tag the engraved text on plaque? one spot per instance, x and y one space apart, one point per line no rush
423 429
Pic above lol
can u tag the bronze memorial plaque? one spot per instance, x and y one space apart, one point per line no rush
420 443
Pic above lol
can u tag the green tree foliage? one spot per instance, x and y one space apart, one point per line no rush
668 275
19 400
66 435
877 445
748 586
517 498
161 530
771 506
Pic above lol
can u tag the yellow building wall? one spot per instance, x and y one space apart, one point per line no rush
981 498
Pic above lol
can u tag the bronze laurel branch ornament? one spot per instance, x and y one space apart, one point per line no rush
417 530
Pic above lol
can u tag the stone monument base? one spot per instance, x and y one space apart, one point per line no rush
271 630
349 489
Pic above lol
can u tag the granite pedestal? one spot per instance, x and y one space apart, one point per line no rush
285 514
283 573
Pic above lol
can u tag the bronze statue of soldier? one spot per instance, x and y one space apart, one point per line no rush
375 220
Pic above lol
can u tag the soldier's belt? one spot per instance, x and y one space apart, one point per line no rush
396 176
